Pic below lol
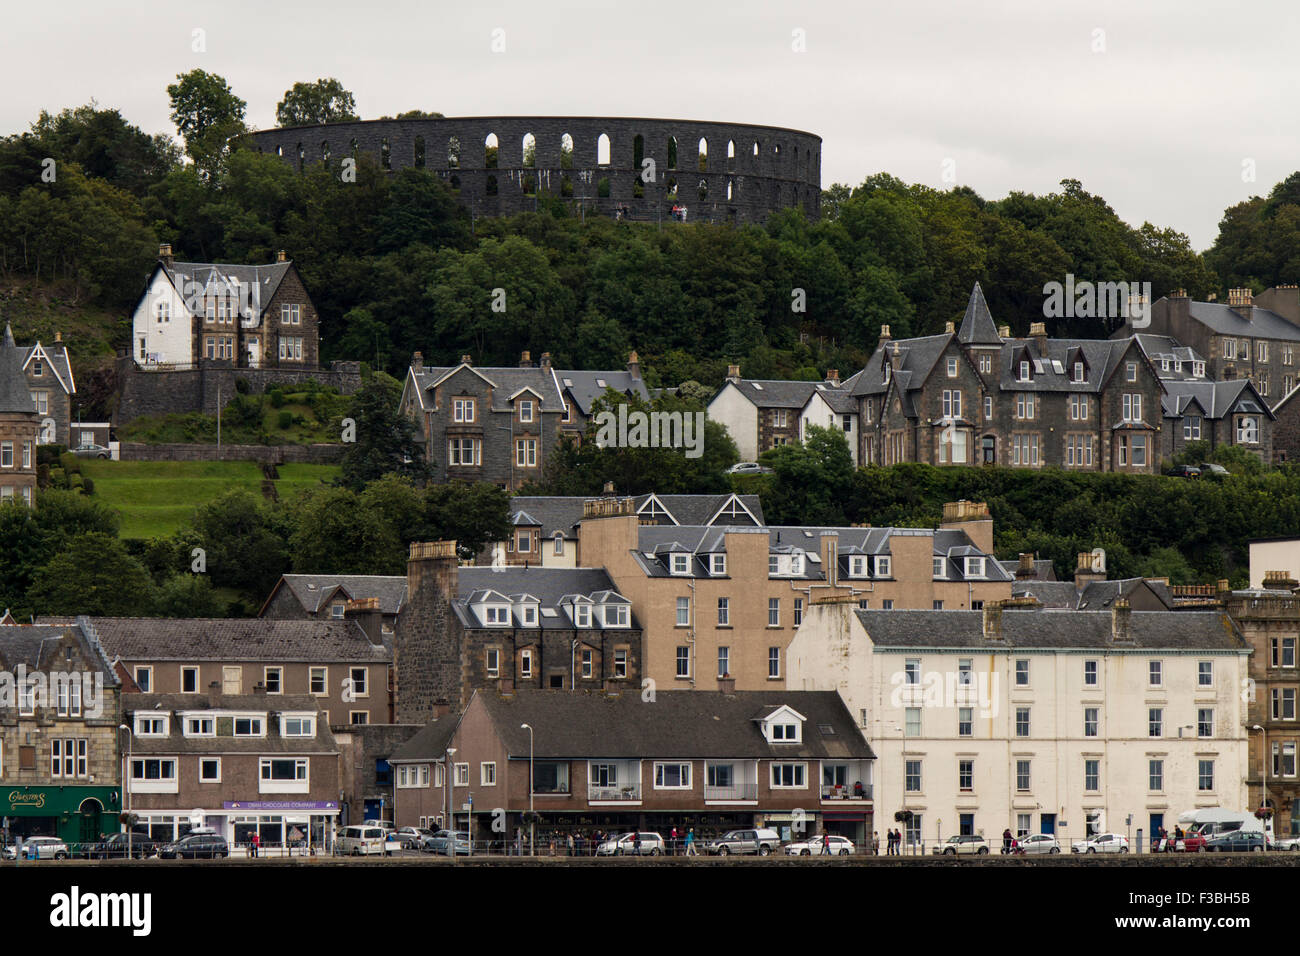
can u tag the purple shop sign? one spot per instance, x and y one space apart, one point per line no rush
281 805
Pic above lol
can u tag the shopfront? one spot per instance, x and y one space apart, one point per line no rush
73 814
297 823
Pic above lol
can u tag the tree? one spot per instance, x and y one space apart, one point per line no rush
385 438
324 101
810 481
94 575
207 114
334 532
471 514
242 547
187 595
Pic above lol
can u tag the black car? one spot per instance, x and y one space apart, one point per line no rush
195 846
1186 471
114 847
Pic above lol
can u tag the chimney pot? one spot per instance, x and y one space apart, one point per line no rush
733 373
1004 331
525 359
465 360
884 332
417 361
949 327
546 360
833 376
280 256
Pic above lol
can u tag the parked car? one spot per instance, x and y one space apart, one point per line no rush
385 825
438 842
92 451
412 838
40 848
1102 843
1186 471
361 840
632 844
114 847
1287 843
1211 470
195 846
814 846
1039 843
761 841
1236 841
963 845
748 468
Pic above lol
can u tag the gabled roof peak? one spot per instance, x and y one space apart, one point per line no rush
977 327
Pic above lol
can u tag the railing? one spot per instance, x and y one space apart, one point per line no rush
856 791
739 791
611 794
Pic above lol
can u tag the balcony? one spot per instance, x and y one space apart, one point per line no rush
628 794
854 793
736 793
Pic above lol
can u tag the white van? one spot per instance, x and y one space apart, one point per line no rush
361 841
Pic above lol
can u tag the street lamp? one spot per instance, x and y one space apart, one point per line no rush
447 780
906 826
532 825
126 780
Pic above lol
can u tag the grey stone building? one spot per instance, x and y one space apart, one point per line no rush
49 376
976 395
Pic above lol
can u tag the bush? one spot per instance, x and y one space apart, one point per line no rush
87 486
277 397
242 386
285 418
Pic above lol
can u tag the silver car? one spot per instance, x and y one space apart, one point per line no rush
761 841
41 848
628 844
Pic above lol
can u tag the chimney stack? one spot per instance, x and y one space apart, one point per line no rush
833 377
465 360
634 364
949 327
1038 332
1004 331
525 359
165 254
884 333
441 708
733 373
417 362
280 256
1121 617
992 620
1241 300
546 361
365 611
1026 569
1086 571
608 488
1279 581
973 518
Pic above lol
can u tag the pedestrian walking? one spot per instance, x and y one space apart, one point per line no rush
254 844
672 846
826 844
875 843
690 842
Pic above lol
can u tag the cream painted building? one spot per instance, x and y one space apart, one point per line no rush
1065 722
1273 554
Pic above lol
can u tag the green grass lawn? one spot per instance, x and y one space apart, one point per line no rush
158 497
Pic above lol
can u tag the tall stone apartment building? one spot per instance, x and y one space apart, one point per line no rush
499 424
722 604
1059 722
975 395
20 426
221 315
464 629
59 769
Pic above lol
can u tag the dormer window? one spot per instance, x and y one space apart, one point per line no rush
974 567
858 566
796 564
529 615
887 370
249 727
681 563
1198 369
462 410
1024 371
525 410
582 615
719 564
297 726
37 368
773 564
496 615
200 727
939 563
1078 371
882 566
153 725
616 615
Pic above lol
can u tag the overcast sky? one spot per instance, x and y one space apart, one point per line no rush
1161 106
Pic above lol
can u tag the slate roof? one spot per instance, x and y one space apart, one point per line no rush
775 393
264 279
563 513
15 395
1054 630
1044 569
689 725
547 585
56 360
584 386
175 742
36 647
917 359
1162 348
506 381
1225 320
977 325
1095 596
236 639
1051 594
430 742
312 590
1100 357
1216 399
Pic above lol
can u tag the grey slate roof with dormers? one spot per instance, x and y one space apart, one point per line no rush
506 381
1055 372
261 281
1225 320
234 639
1205 631
36 649
690 725
548 585
56 360
1215 399
1172 361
